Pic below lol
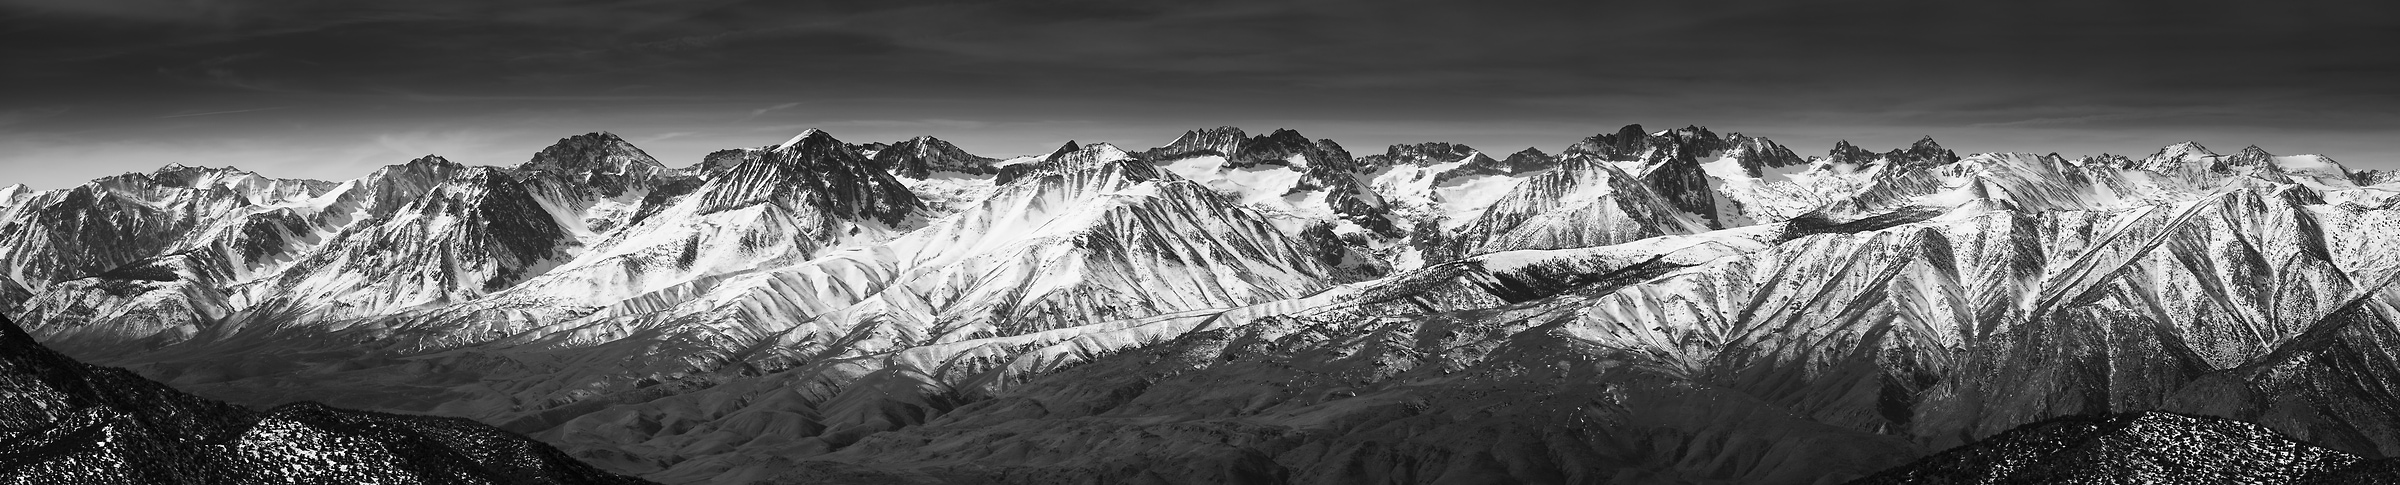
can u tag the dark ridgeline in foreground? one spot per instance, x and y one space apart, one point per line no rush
67 422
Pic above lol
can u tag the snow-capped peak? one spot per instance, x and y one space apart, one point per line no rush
593 152
787 144
2184 149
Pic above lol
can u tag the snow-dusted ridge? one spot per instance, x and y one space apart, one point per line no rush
1238 308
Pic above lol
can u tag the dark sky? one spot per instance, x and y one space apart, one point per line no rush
329 89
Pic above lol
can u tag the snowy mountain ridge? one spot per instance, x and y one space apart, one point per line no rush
1669 305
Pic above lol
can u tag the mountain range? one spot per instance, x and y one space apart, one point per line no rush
1670 306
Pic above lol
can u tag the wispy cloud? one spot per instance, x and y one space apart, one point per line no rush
18 116
923 123
754 114
428 97
664 137
415 143
227 112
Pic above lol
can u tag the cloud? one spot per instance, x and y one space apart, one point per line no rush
754 114
25 115
449 143
944 124
214 113
664 137
989 69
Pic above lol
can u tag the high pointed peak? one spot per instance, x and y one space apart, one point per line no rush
1926 143
1095 152
589 139
1221 132
173 168
2251 156
814 170
431 159
1100 151
809 136
1063 150
1286 134
1843 150
2185 147
928 142
920 157
1072 158
592 152
1692 132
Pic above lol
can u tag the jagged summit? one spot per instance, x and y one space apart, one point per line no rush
804 136
1422 154
2251 156
577 173
1071 158
1283 147
1844 152
1063 150
2186 147
178 171
1625 144
813 172
432 159
1924 153
600 152
924 156
1224 141
1524 161
2179 156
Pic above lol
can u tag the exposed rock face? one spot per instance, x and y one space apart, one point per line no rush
1221 141
64 421
1312 189
814 173
1582 205
923 156
477 233
599 160
1644 307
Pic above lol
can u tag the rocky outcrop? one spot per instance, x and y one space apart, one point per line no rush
813 174
924 156
69 422
2141 447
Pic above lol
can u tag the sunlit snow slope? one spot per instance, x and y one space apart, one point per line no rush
1639 306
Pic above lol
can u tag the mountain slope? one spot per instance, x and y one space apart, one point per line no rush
69 422
2145 447
1676 306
